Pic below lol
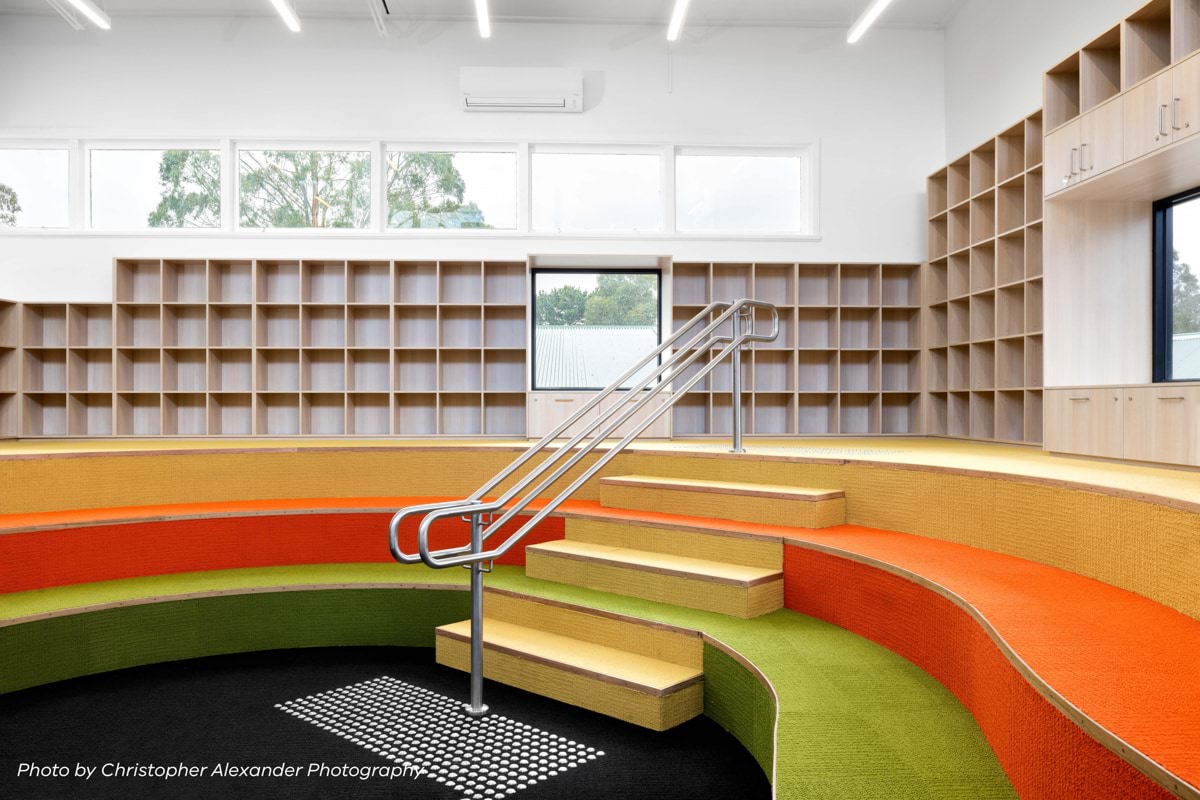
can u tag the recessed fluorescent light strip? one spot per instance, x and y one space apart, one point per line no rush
287 12
92 12
677 17
485 23
866 20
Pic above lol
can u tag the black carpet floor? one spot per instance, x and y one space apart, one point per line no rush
222 710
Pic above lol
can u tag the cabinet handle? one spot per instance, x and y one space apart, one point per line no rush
1082 160
1079 399
564 400
1171 398
1162 123
1074 153
1175 116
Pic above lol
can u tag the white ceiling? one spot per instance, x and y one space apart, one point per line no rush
902 13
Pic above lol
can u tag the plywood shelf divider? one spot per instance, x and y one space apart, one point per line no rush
1147 42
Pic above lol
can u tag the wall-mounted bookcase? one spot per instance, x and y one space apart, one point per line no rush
273 348
983 283
847 360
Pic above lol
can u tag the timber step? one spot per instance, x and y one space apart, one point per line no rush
769 504
725 588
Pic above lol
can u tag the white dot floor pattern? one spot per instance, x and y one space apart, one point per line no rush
481 758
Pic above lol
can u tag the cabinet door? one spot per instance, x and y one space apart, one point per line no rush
1062 158
1147 116
547 410
1185 101
1101 139
659 429
1086 422
1160 424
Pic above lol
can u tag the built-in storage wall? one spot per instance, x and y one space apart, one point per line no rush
274 348
847 360
983 290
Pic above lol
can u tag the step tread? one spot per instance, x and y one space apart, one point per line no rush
665 563
604 663
767 490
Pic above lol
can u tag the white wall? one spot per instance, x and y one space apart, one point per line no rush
996 53
876 109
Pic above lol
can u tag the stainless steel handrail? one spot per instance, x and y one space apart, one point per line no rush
740 316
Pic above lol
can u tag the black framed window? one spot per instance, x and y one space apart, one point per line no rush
1177 287
591 325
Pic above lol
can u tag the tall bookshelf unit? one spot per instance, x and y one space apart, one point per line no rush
983 291
847 360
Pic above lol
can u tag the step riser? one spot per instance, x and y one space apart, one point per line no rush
718 505
621 702
720 598
684 649
690 544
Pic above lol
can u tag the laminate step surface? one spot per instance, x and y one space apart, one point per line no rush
764 490
661 563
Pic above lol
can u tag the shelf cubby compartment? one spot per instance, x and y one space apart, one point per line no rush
959 375
818 371
689 416
504 327
935 415
231 282
460 414
1033 251
958 228
369 283
1062 93
1010 363
45 415
278 371
731 282
983 317
230 414
901 329
139 371
1010 311
937 325
983 168
461 327
1033 306
721 378
901 371
1100 70
185 282
323 371
959 321
937 364
368 415
185 414
139 326
901 285
1010 258
10 324
860 285
958 272
817 414
859 414
690 285
958 181
680 317
368 327
983 217
983 366
90 325
90 414
461 282
139 414
983 415
859 372
1033 417
416 326
504 283
504 371
323 282
1010 206
417 283
774 371
958 414
185 326
230 370
504 414
416 371
1033 196
689 372
775 283
939 243
139 281
277 414
369 371
936 192
818 284
1010 416
231 326
774 414
416 414
10 370
1185 22
786 339
185 371
324 326
1033 362
45 371
937 284
1010 153
1033 140
859 329
278 282
45 325
900 413
817 329
1147 42
278 326
323 414
722 414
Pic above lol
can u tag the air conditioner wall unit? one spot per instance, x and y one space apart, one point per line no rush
537 89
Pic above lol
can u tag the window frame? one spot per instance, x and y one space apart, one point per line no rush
535 271
73 166
1163 297
809 190
521 187
85 199
666 186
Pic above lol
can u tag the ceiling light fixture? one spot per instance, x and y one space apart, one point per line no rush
287 12
866 20
66 14
92 12
377 16
677 16
485 23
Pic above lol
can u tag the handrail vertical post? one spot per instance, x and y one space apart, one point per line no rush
476 707
736 364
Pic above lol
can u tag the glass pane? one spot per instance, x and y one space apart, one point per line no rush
739 194
452 190
580 193
593 326
33 188
1185 291
155 188
305 189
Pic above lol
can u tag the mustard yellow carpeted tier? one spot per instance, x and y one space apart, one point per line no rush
745 502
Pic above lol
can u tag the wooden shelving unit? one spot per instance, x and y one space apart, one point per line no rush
273 348
982 289
848 357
